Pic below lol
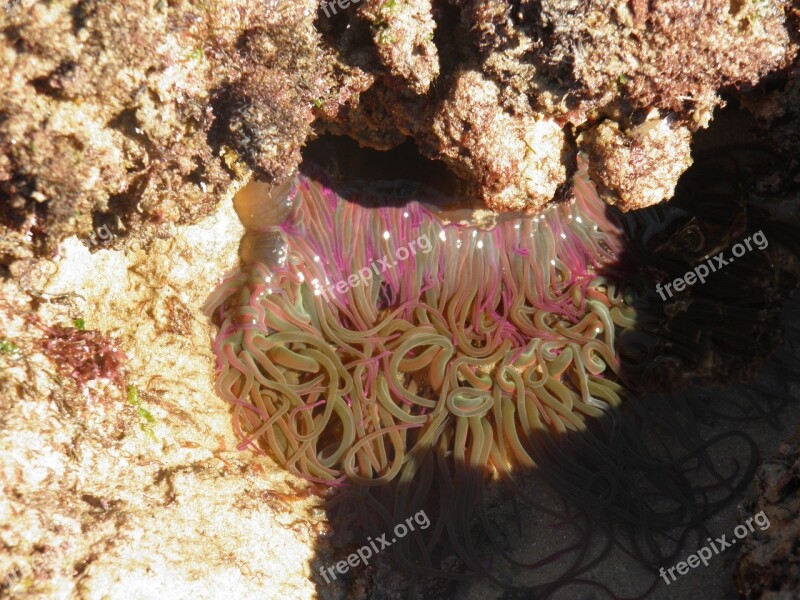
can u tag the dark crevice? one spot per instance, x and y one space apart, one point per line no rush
52 84
197 176
17 203
40 228
43 85
80 14
121 208
349 168
227 105
127 123
445 36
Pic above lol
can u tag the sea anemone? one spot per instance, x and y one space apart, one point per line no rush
373 343
354 340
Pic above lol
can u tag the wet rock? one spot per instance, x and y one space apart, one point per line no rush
638 167
129 117
402 32
109 114
514 154
568 62
769 566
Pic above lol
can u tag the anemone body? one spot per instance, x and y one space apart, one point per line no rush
355 337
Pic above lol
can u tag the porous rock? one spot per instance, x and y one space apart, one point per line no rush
769 564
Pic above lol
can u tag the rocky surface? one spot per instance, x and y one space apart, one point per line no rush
638 167
578 64
777 108
131 116
522 167
769 567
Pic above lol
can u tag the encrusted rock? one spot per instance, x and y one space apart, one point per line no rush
638 167
110 115
515 155
572 62
769 567
403 35
120 475
132 116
